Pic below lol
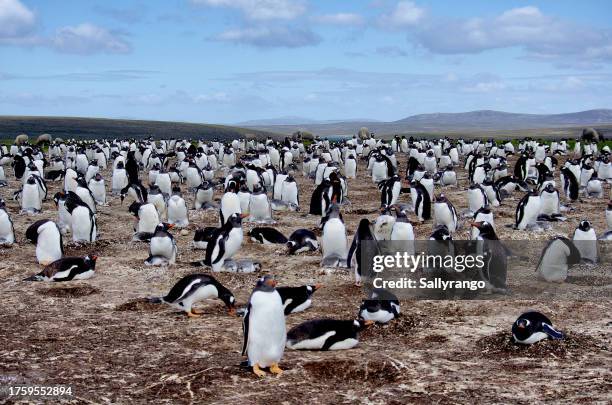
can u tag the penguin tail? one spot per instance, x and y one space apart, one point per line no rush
552 332
35 277
155 300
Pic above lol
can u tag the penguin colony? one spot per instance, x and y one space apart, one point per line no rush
162 183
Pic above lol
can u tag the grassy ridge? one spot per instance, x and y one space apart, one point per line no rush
89 128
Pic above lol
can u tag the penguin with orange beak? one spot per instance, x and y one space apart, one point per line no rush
264 329
532 327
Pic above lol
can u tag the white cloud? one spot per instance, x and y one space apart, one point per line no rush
340 19
405 14
270 37
261 9
88 38
16 20
221 97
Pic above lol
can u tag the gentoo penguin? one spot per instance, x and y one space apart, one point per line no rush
482 215
477 198
381 307
390 190
333 239
289 192
84 193
585 241
350 167
135 190
164 183
48 239
403 232
449 177
550 207
531 327
244 195
98 189
66 269
147 219
421 203
381 168
363 234
495 255
194 288
594 188
297 299
302 240
527 211
204 196
383 225
326 334
156 197
31 198
493 195
557 257
569 183
84 225
230 203
259 206
177 209
7 230
162 248
224 244
445 213
267 236
202 236
264 329
119 179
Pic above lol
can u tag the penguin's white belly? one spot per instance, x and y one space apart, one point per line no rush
345 344
82 230
98 192
333 241
380 316
162 246
534 338
233 243
259 208
84 275
149 219
48 246
267 330
350 169
311 344
549 204
6 229
30 198
302 307
444 216
164 183
201 294
290 194
379 172
230 204
177 212
586 244
475 200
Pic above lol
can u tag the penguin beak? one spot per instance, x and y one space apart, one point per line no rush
368 323
317 286
94 257
271 282
231 311
170 226
476 224
243 216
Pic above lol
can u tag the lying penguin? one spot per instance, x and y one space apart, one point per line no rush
381 307
326 334
194 288
66 269
297 299
302 240
267 236
532 327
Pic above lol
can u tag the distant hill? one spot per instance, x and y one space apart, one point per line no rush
482 120
74 127
291 120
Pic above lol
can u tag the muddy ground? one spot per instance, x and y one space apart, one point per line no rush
112 346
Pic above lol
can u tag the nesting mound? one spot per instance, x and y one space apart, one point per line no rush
372 372
402 327
139 304
500 345
70 292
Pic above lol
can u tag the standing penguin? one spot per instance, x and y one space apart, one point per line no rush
550 207
445 213
31 198
532 327
353 260
7 230
48 239
98 189
204 196
260 209
383 225
264 329
495 255
389 191
119 179
84 225
569 183
585 240
297 299
290 193
333 239
194 288
230 203
477 198
527 211
326 334
66 269
558 256
224 244
162 249
84 193
421 203
350 167
177 209
147 217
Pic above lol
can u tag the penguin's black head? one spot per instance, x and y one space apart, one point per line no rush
31 180
441 233
486 229
98 177
91 258
267 283
550 188
2 204
135 207
441 198
584 225
236 220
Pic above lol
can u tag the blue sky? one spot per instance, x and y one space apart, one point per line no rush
227 61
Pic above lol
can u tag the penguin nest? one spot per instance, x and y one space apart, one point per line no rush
68 292
501 345
374 372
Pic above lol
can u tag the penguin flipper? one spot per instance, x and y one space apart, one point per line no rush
35 277
245 329
552 332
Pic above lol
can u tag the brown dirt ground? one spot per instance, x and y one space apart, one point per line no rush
101 337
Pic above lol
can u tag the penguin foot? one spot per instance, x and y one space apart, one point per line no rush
193 314
258 371
197 311
275 369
